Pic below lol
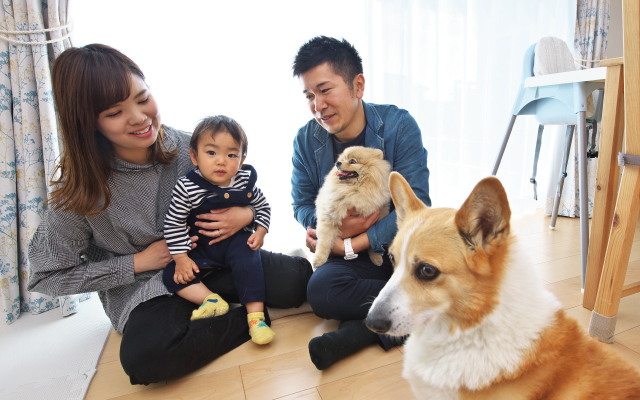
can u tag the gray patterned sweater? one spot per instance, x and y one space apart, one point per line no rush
71 254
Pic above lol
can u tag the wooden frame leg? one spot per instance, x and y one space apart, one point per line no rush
617 256
626 215
606 181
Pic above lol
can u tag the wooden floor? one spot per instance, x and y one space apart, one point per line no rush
282 369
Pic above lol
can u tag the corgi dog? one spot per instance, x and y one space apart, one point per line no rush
481 326
358 181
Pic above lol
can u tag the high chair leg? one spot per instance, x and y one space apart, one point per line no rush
563 174
504 144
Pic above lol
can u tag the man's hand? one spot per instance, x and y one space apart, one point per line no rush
338 248
256 240
224 222
311 239
185 267
354 225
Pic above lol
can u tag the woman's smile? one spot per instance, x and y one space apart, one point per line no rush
146 132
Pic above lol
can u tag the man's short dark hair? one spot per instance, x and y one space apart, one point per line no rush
216 124
341 55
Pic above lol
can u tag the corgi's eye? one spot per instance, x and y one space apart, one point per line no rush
427 272
392 259
352 161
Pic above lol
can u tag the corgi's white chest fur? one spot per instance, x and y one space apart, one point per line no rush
476 357
483 327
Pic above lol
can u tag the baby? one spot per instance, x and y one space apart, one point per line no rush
218 149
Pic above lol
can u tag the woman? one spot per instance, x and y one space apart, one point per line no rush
103 230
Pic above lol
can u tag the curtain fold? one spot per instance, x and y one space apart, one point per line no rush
28 146
590 43
456 66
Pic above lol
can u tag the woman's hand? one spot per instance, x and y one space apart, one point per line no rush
155 256
224 222
353 226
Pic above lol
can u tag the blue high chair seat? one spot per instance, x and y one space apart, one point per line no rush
557 104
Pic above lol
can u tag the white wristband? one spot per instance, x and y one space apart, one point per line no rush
348 250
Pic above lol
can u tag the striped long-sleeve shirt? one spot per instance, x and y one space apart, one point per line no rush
192 190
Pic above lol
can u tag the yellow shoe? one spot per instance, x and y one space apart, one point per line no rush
258 329
212 306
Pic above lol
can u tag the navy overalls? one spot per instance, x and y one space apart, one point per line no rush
233 252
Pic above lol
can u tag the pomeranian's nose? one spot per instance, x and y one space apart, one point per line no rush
338 164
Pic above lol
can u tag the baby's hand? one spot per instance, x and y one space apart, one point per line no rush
184 269
256 240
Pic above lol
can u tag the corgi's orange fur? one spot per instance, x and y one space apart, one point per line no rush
481 326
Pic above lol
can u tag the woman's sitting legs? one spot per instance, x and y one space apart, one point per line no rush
160 341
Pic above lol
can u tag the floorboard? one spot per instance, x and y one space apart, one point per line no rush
282 370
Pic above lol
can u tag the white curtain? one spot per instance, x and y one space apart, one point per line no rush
456 65
28 145
590 43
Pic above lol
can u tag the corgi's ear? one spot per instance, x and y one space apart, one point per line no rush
403 197
483 219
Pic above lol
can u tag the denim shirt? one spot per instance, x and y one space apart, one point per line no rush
390 129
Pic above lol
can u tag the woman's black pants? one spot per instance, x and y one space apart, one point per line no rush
161 342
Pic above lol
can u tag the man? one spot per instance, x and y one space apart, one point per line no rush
330 72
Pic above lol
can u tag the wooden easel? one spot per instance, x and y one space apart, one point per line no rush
612 230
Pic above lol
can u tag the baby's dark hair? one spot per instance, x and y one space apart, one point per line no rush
341 55
216 124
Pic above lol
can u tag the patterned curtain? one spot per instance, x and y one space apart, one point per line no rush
28 143
590 43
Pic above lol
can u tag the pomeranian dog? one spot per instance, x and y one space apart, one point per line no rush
480 325
359 181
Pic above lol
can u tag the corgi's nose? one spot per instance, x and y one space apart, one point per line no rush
338 164
378 325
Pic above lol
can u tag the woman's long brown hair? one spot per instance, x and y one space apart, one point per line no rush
86 81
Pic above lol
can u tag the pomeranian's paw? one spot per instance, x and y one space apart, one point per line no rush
375 258
319 261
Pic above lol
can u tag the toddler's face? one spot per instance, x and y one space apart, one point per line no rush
219 157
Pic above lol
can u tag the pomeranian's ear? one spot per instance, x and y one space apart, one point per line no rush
403 197
378 154
483 220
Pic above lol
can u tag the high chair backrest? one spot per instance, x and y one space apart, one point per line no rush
552 56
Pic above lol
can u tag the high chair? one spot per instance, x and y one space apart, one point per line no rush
613 230
558 97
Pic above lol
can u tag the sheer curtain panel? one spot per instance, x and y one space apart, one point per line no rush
455 65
